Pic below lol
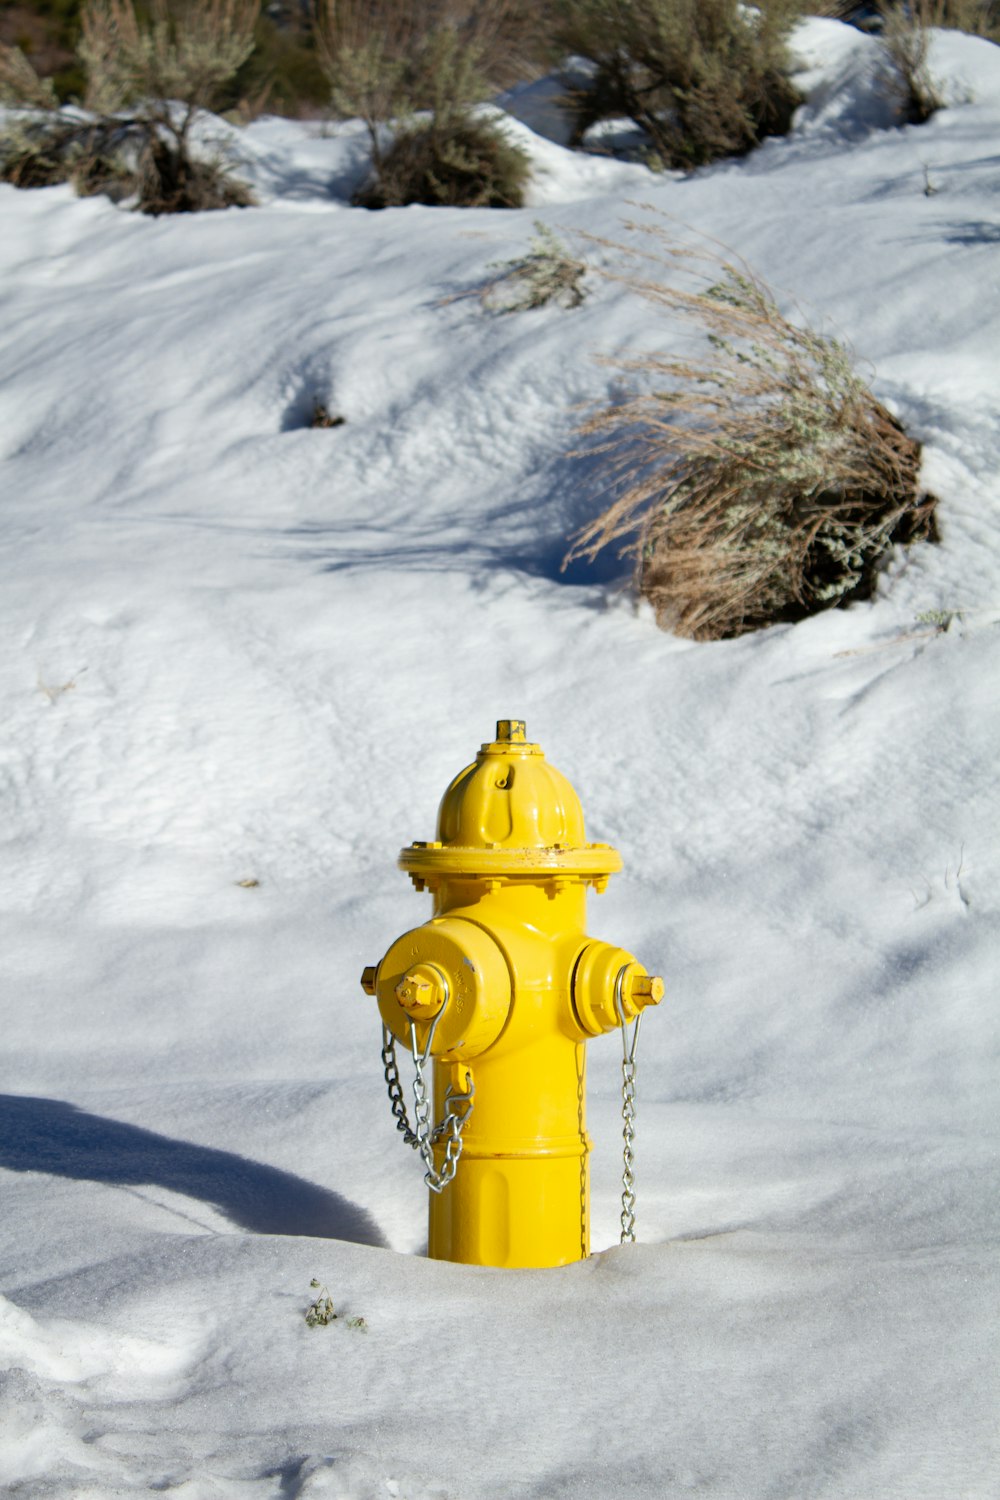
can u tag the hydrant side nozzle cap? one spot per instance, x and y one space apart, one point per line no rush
646 989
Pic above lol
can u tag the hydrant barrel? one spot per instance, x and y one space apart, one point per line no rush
502 988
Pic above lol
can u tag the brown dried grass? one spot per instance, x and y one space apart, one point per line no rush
759 480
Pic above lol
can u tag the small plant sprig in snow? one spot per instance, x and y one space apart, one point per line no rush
320 1313
939 618
547 273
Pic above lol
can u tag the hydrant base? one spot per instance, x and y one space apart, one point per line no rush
518 1211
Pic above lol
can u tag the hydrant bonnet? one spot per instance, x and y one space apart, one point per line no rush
510 814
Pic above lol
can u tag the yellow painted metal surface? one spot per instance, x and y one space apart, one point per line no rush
513 987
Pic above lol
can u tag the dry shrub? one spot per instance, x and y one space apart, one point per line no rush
414 75
32 156
366 51
459 163
702 78
40 146
45 31
760 481
42 152
150 74
379 45
20 85
906 42
171 184
167 70
514 38
977 17
183 50
905 38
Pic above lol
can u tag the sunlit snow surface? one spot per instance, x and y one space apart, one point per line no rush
236 649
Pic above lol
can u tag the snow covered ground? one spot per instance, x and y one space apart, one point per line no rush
237 649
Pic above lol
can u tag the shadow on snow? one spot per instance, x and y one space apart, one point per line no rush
48 1135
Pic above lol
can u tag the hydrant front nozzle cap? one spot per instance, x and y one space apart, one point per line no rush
422 991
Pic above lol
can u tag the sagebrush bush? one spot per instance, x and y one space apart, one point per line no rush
40 146
168 70
760 480
512 37
458 163
150 75
703 79
33 157
414 76
905 41
905 38
20 85
40 152
977 17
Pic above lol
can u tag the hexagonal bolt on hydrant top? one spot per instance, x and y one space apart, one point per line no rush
501 990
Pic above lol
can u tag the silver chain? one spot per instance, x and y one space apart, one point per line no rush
628 1114
396 1101
424 1137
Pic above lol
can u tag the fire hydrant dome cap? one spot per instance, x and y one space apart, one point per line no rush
510 813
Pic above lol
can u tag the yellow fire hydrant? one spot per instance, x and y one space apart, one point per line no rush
501 989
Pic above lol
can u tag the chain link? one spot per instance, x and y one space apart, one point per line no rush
396 1101
423 1138
628 1114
